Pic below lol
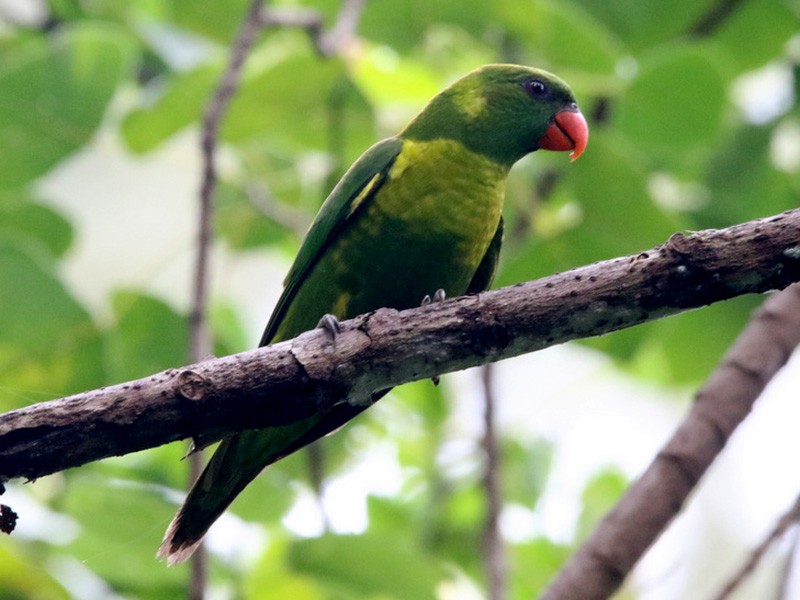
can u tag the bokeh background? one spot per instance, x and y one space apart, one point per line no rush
694 123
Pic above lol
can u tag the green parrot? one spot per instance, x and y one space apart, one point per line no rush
416 214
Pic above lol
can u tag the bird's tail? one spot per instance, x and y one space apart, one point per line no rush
236 462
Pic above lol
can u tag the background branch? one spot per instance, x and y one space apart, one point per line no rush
290 380
328 43
493 551
200 344
598 568
787 520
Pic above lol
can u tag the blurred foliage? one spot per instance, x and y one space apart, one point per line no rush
684 124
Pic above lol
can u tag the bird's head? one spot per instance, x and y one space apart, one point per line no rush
505 112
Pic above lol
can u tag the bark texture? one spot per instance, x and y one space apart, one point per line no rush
290 380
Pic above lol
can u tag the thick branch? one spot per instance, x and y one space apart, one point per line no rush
290 380
598 568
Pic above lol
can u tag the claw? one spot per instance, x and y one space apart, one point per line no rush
330 325
438 296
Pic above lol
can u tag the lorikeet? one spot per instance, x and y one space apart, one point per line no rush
416 213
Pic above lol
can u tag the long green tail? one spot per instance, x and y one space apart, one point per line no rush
236 462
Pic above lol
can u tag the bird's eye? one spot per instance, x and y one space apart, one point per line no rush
535 87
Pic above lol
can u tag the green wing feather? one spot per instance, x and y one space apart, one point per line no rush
240 457
485 274
362 180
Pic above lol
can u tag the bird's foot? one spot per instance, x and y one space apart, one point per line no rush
330 325
438 296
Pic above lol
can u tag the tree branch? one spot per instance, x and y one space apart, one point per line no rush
494 556
598 568
327 43
199 336
788 520
199 343
291 380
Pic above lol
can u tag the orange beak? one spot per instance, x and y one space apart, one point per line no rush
568 131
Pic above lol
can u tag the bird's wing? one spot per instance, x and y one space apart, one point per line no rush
485 273
358 185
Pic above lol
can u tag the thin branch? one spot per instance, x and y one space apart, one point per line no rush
199 336
327 43
296 16
292 380
598 568
789 519
315 455
200 346
344 30
493 550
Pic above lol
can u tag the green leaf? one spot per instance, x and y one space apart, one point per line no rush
321 110
647 24
48 343
121 527
335 116
757 32
53 97
599 496
742 180
268 497
241 224
65 10
622 345
230 336
403 25
525 470
451 521
24 577
163 465
685 348
23 220
179 105
675 103
397 85
562 37
368 566
390 516
534 564
218 20
149 336
426 400
270 579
